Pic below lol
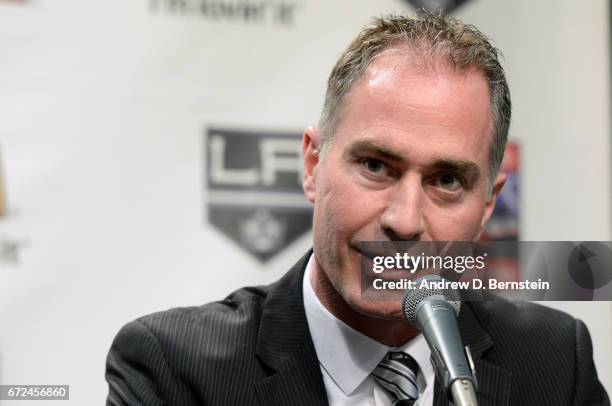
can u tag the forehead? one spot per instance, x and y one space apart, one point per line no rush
401 101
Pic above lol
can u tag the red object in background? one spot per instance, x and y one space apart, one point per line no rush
504 223
510 162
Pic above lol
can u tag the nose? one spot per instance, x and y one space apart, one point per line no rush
402 219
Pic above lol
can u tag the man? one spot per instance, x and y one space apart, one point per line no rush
409 146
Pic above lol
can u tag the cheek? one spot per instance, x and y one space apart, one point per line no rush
455 223
330 212
352 212
326 227
340 215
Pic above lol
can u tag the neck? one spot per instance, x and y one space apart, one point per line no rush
390 332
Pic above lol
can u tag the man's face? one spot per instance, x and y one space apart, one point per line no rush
409 161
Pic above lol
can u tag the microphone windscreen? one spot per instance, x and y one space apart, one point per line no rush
436 288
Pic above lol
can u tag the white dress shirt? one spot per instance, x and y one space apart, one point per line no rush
347 357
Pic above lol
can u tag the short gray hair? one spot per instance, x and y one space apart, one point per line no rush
460 45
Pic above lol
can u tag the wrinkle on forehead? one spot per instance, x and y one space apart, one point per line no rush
393 99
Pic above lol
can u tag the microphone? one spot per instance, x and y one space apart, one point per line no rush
433 309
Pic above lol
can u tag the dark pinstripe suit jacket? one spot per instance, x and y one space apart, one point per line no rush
254 348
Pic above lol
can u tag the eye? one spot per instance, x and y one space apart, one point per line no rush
449 182
376 169
374 166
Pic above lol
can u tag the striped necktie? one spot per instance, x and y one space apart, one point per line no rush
396 373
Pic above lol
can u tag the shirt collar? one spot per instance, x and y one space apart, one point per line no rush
347 355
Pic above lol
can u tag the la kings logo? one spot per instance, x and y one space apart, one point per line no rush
254 189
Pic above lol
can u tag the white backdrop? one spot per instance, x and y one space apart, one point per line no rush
103 110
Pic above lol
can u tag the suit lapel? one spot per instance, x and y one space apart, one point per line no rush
284 346
493 381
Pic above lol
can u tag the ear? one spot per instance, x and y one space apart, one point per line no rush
500 180
310 151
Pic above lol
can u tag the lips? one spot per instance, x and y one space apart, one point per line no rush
370 255
367 261
374 249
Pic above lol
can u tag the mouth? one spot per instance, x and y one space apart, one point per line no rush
367 260
371 252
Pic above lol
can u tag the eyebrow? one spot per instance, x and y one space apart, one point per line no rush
361 147
468 169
